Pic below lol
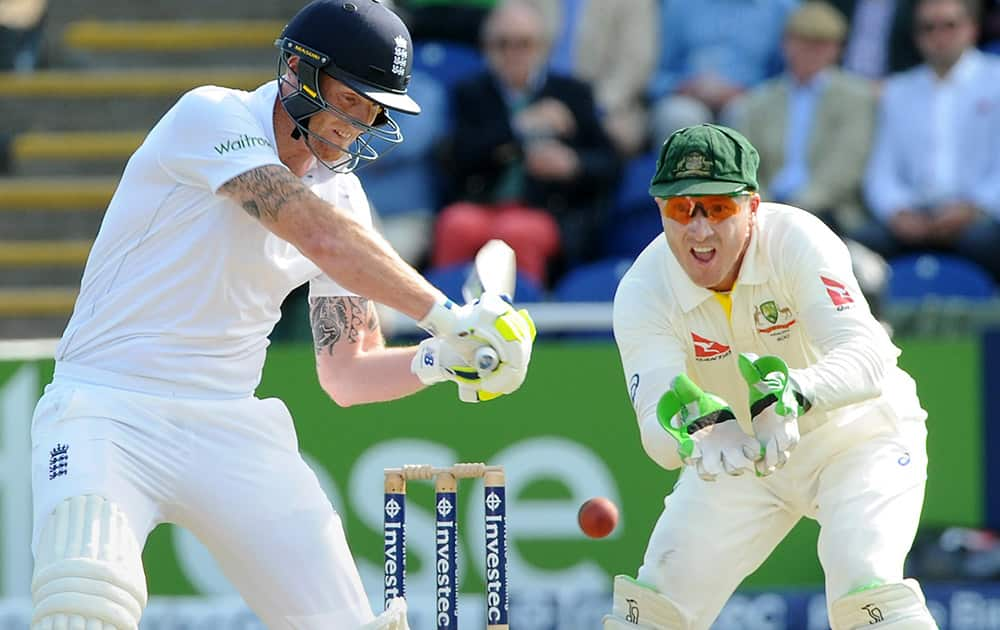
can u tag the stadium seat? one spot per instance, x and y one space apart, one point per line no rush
919 276
594 282
633 191
633 221
629 234
448 62
449 279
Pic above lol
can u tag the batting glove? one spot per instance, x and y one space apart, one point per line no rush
707 433
775 407
436 362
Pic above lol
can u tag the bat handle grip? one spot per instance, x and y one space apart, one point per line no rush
487 359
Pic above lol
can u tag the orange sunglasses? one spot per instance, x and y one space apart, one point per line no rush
717 207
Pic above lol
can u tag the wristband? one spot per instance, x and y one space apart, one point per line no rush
441 319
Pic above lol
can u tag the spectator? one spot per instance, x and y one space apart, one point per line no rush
712 51
21 23
607 44
813 125
456 21
880 37
404 184
531 161
933 180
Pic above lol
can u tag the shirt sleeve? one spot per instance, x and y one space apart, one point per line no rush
855 351
210 137
652 355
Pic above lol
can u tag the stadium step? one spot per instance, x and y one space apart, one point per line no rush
53 208
37 301
124 83
35 312
96 100
21 254
34 224
145 43
55 193
49 327
170 35
40 153
63 13
54 263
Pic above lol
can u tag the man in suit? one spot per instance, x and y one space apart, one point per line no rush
529 156
607 44
813 125
880 37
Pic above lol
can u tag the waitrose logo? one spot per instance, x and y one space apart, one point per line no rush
243 142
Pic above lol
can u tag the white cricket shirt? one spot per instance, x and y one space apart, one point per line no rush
182 286
796 297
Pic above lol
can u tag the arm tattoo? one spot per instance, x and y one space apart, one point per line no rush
336 318
264 191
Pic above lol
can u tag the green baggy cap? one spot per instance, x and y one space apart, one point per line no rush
705 160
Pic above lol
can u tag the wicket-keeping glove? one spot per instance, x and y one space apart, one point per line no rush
775 407
707 433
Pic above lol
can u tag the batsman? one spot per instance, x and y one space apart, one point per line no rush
753 362
232 201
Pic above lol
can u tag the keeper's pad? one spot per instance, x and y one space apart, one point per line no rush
899 606
393 618
638 605
88 570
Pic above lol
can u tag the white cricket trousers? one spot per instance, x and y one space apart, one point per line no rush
227 470
866 495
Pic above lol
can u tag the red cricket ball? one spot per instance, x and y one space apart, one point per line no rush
597 517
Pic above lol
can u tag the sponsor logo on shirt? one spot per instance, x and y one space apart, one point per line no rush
838 293
708 350
771 319
633 387
243 142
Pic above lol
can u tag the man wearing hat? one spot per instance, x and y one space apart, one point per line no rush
233 200
753 361
813 124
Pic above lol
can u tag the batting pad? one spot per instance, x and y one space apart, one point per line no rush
638 605
88 573
898 606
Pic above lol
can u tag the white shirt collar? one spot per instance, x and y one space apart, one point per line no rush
967 66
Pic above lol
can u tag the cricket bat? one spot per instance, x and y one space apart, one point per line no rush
494 270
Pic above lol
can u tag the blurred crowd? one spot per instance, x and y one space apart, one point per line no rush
542 117
541 120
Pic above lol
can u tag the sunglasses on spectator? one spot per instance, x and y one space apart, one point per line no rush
925 28
512 43
717 208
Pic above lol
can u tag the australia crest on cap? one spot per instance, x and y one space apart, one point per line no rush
694 164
